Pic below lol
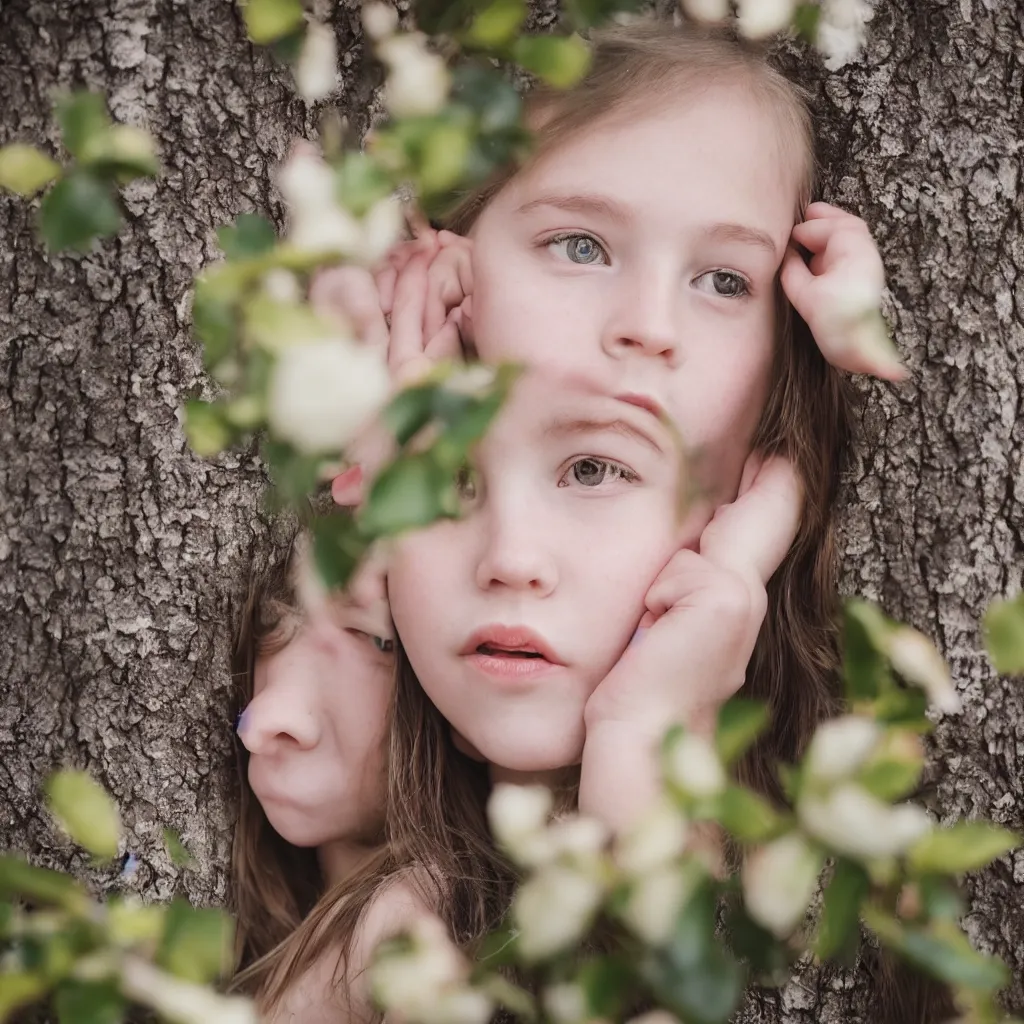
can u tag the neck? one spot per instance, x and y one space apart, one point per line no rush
340 858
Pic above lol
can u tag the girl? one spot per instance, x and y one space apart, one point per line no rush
314 691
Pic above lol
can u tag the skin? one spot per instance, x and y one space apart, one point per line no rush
543 550
314 731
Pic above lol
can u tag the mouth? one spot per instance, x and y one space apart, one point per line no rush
510 643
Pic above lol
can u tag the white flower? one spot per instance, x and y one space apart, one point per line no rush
418 80
517 815
842 30
707 10
657 838
412 980
914 656
381 228
459 1006
330 230
852 821
474 380
760 18
282 285
306 183
655 901
323 392
841 746
181 1001
577 837
655 1017
779 881
316 71
379 20
565 1003
694 766
553 908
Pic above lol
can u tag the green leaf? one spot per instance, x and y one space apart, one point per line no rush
81 116
78 1002
496 24
250 235
410 411
338 548
941 899
606 982
25 170
740 722
413 491
207 433
560 61
85 811
805 20
839 925
589 13
965 846
899 707
442 158
865 669
749 817
360 182
751 942
20 879
131 922
269 20
1004 635
177 850
213 320
439 17
19 989
122 151
492 98
78 209
941 950
197 942
275 326
890 780
294 475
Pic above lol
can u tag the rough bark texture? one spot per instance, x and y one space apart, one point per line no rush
123 556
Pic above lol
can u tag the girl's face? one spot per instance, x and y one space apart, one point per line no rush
315 726
645 251
512 616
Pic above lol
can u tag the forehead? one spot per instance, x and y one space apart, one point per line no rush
715 151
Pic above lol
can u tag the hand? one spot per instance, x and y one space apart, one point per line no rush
838 293
704 613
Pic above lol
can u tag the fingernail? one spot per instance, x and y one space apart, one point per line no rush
637 636
343 483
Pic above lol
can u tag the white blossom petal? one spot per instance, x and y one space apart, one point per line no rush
842 30
694 766
706 10
323 392
657 838
565 1003
655 901
517 814
840 746
316 70
759 18
379 20
418 81
778 882
914 656
553 909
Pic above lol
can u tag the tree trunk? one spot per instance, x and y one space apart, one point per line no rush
124 556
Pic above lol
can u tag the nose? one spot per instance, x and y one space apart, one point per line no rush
644 314
278 720
514 555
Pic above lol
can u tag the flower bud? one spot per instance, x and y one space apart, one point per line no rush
706 10
418 81
553 909
914 656
760 18
517 814
694 766
655 901
778 882
653 841
316 71
840 746
379 20
322 393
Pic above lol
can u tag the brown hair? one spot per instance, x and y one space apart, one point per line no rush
435 817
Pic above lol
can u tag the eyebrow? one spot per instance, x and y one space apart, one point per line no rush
598 206
585 425
740 233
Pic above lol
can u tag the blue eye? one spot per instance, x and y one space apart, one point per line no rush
591 471
724 283
581 249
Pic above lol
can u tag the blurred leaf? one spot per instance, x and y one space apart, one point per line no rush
484 90
740 722
213 320
899 707
25 170
410 411
941 899
360 182
839 926
518 1001
18 989
749 817
606 982
589 13
177 850
294 475
250 235
122 151
81 116
895 770
207 433
275 326
443 157
941 950
84 809
560 61
18 878
288 48
754 944
965 846
865 669
78 209
269 20
197 942
805 20
411 492
80 1002
436 17
1004 635
338 547
496 24
130 922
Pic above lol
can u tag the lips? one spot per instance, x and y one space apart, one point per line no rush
514 643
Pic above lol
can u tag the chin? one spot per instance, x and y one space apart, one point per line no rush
535 753
298 832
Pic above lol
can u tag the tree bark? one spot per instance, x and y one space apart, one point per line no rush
124 556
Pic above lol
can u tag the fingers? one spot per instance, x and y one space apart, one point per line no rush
450 281
349 295
425 242
407 341
752 535
820 211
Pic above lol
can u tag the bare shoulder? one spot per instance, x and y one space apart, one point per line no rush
318 996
